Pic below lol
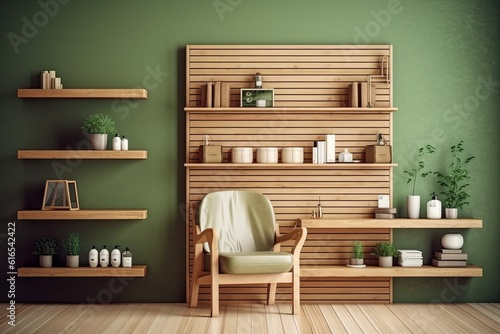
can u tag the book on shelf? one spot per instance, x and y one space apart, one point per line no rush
448 263
451 251
409 253
379 215
217 89
386 210
451 256
411 263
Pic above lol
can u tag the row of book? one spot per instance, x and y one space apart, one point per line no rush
215 94
450 258
362 95
49 80
410 258
385 213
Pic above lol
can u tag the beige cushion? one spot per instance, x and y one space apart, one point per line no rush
255 262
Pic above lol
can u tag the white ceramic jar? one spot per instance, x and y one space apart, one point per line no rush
242 155
267 155
452 241
292 155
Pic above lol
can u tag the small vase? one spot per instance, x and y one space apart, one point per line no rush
385 261
451 213
72 261
98 141
413 206
452 241
357 262
46 261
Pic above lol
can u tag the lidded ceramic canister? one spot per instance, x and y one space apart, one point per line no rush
292 155
267 155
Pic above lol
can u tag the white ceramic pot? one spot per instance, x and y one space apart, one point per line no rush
292 155
452 241
385 261
267 155
413 206
72 261
98 141
242 155
357 262
46 261
451 213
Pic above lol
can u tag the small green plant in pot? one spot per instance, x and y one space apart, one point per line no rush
99 126
357 253
385 252
72 245
45 248
454 181
413 201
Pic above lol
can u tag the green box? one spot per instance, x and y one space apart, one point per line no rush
249 96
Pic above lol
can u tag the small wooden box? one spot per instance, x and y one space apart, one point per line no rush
378 154
210 153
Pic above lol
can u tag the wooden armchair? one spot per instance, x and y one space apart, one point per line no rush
239 231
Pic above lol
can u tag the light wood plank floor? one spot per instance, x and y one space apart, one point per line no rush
255 318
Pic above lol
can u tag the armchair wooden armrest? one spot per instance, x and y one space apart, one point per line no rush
298 234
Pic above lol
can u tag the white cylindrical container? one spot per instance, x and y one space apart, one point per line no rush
242 155
434 208
260 103
116 256
124 143
292 155
117 143
267 155
127 258
314 155
258 80
104 257
452 241
93 257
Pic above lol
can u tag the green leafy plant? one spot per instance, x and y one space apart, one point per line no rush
385 248
45 246
454 180
71 243
417 171
357 250
99 123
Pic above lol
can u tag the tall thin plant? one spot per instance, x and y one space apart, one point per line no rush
417 170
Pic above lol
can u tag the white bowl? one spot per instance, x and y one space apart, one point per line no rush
292 155
242 155
267 155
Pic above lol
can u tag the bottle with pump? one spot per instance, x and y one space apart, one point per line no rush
104 257
434 207
117 143
93 257
124 144
127 258
116 257
258 80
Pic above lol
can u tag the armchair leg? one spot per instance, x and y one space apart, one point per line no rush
215 299
271 293
296 294
195 287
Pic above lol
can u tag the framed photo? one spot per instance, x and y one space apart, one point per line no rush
250 96
60 195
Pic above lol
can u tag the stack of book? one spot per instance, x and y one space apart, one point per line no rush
410 258
450 258
385 213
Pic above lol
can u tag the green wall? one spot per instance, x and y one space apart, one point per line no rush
446 83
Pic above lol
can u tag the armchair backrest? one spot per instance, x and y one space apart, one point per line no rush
244 220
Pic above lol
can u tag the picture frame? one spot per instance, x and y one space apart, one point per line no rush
249 97
60 195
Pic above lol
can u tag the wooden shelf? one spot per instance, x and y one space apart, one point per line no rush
390 223
290 110
135 271
336 165
82 214
100 93
81 154
396 271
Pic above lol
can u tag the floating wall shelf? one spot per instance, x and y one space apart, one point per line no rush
131 93
290 110
390 223
337 165
81 154
82 214
135 271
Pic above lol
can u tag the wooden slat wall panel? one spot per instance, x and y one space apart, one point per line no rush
302 76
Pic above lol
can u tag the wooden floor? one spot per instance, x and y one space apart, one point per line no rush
322 318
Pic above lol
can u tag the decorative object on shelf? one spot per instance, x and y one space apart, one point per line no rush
329 148
452 241
320 146
434 207
385 252
258 80
116 256
413 201
127 258
48 80
410 258
124 143
357 253
242 155
383 201
454 181
450 257
209 153
249 96
345 156
60 194
292 155
267 155
379 153
104 257
98 126
93 257
385 213
117 143
71 245
45 248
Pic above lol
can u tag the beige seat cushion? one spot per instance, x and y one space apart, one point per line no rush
255 262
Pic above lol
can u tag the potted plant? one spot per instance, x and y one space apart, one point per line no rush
413 201
45 248
98 126
385 252
357 253
454 181
71 245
